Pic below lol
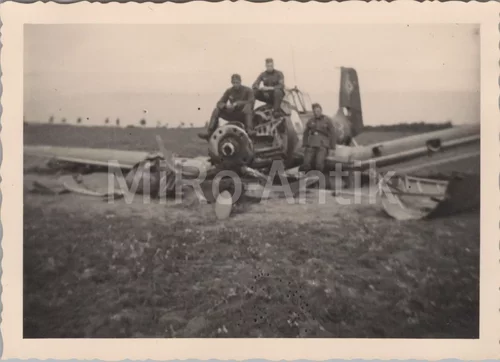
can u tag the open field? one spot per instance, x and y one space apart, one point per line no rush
99 270
183 141
95 269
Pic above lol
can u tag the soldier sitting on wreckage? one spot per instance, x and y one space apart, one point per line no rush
272 90
236 105
237 102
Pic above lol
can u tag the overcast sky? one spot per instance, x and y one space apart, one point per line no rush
114 71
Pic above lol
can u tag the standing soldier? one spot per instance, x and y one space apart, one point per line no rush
318 139
273 86
236 105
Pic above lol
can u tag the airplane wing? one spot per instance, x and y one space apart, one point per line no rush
413 198
88 156
105 157
447 153
412 154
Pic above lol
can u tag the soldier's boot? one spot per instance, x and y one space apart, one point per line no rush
212 125
248 112
251 133
249 125
204 135
307 164
278 96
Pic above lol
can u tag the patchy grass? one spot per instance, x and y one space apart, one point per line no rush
98 270
185 141
182 141
358 275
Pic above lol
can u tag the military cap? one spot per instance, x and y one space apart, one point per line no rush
236 77
269 60
316 105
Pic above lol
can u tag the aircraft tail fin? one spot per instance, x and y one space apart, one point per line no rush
350 98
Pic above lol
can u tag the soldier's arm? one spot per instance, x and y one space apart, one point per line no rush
248 98
224 98
281 81
256 84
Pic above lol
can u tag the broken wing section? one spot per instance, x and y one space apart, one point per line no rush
146 172
435 173
414 198
88 156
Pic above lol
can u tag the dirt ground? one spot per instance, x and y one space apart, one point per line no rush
106 270
94 269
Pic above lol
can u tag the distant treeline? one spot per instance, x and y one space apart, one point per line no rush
417 127
117 123
410 127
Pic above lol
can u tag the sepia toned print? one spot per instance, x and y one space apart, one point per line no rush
264 272
214 181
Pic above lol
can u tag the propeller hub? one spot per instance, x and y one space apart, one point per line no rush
228 149
231 144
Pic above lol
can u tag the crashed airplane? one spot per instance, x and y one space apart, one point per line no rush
280 139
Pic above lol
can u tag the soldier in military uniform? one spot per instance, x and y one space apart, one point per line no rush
318 139
236 105
272 90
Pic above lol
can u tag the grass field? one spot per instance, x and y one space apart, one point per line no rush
183 141
273 271
94 269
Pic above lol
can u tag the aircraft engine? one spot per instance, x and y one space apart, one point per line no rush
231 145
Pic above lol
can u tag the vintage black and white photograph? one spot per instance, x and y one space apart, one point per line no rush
251 181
